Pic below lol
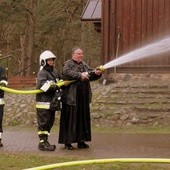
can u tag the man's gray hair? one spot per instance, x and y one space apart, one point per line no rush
74 49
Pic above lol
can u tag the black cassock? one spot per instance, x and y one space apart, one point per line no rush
75 119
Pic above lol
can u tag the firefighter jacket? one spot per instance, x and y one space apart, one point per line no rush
3 82
71 71
47 74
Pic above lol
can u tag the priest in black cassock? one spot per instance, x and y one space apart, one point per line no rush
75 126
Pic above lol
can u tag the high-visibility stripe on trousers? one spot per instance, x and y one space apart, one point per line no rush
43 133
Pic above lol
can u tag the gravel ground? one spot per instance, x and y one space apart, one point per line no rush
103 145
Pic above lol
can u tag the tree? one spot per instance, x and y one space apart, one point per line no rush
20 21
30 27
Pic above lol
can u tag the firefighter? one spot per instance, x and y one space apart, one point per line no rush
3 82
47 78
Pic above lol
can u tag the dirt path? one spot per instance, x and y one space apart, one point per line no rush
102 145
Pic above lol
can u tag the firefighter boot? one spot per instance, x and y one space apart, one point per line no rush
1 145
44 145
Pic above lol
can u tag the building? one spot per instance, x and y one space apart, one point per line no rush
127 25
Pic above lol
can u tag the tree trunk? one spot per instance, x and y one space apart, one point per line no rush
31 31
22 58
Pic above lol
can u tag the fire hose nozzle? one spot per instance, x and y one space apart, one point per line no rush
101 68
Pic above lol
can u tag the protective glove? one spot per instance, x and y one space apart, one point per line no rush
49 86
60 83
53 86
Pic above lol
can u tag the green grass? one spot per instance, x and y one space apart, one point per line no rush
10 161
133 129
18 161
21 161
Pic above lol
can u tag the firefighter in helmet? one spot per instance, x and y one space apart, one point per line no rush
47 78
3 82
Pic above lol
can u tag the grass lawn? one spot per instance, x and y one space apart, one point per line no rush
19 161
23 161
133 129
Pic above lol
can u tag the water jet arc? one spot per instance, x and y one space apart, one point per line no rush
152 50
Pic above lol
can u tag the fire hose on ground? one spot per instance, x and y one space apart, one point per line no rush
101 161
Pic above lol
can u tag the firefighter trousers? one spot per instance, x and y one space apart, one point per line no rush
1 117
45 120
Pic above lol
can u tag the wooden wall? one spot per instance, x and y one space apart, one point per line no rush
22 82
131 24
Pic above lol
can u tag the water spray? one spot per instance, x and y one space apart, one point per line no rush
152 50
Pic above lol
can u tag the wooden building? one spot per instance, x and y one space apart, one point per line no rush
126 25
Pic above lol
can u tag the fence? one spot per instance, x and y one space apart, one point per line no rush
22 82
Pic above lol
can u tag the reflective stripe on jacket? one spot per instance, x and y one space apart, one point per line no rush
43 105
2 101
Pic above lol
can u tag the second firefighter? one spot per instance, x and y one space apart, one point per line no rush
47 78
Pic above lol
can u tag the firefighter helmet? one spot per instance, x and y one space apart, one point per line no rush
44 56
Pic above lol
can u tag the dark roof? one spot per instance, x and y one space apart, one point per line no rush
92 11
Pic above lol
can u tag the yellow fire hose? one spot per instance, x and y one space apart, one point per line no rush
59 84
101 161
